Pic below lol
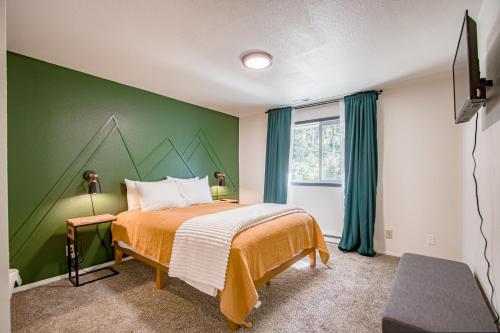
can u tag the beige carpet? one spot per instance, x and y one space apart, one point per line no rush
347 298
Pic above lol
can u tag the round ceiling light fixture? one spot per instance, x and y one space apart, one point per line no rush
256 59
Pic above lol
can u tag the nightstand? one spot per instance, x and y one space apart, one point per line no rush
228 200
72 227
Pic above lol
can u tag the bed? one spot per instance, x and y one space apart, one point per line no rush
257 254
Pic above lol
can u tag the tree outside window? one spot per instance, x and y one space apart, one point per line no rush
317 153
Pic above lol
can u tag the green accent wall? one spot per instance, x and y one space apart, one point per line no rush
62 122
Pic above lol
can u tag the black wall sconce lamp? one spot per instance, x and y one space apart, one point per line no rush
93 179
221 178
94 188
94 185
221 181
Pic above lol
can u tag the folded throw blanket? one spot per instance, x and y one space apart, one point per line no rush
202 244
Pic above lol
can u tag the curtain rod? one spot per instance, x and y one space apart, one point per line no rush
325 101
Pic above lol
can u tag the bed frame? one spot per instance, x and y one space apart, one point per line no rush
161 269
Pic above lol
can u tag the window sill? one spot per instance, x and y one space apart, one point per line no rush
316 184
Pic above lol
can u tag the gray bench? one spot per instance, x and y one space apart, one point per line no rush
435 295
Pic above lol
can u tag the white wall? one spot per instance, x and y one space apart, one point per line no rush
4 238
419 156
252 157
419 172
326 204
488 159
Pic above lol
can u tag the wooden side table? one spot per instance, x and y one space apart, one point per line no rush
72 226
228 200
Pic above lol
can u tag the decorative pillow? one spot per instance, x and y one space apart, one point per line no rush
159 195
133 197
133 200
183 179
195 191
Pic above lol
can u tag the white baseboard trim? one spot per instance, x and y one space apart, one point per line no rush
28 286
335 240
389 253
329 240
332 239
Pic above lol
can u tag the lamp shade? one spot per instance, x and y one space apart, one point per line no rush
93 179
95 187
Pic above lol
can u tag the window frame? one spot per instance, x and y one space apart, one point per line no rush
321 122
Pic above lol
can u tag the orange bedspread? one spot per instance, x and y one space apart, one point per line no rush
254 251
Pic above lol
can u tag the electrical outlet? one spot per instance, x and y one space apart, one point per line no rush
388 233
71 251
431 240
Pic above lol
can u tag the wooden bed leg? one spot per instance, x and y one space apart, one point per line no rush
268 283
159 278
232 326
118 256
312 259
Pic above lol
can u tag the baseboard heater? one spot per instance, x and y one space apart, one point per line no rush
332 238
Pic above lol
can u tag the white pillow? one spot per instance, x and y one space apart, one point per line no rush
159 195
196 191
133 200
183 179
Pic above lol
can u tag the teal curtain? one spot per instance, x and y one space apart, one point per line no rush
361 170
279 124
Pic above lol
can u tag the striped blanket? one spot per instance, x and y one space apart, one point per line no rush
202 244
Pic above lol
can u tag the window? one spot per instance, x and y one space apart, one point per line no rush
317 152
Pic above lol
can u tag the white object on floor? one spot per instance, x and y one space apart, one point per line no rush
202 244
14 277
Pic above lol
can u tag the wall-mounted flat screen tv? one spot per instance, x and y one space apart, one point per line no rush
469 91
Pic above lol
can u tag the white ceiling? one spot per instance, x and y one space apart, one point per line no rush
189 50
